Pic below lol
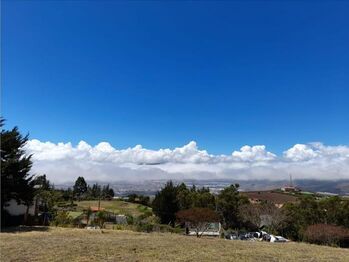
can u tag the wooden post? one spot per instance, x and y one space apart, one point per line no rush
99 202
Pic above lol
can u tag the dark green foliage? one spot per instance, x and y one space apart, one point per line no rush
101 217
228 202
165 204
94 192
203 198
144 227
42 183
47 197
174 198
62 219
67 195
99 192
184 196
107 192
139 199
80 187
310 211
180 198
16 183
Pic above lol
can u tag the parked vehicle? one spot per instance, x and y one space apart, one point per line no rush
256 236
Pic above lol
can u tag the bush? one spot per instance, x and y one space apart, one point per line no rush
324 234
167 229
144 227
119 227
129 219
62 219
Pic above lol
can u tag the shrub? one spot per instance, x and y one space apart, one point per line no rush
119 227
324 234
129 219
144 227
167 229
62 219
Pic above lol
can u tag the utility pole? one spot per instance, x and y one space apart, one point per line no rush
99 202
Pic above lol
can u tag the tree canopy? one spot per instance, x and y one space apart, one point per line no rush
228 202
165 204
80 186
16 182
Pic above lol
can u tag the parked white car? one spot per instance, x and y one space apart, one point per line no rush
278 239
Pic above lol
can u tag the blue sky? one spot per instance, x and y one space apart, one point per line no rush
161 74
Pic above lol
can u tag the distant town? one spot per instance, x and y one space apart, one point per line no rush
150 187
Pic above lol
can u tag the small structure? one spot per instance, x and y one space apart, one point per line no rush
96 209
212 229
121 219
290 187
15 209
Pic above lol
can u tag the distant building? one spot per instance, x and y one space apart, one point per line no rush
326 194
15 209
121 219
213 229
290 189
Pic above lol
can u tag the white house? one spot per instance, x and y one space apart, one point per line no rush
212 229
15 209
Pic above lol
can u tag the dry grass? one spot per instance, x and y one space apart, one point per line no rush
62 244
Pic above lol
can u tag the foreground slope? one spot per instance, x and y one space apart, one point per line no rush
61 244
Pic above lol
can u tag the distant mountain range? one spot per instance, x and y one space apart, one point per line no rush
340 187
150 187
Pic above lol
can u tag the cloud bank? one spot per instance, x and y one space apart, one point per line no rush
63 162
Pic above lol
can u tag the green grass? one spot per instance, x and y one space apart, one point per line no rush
63 244
75 214
116 206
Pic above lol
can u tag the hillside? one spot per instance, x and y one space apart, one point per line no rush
116 206
62 244
275 197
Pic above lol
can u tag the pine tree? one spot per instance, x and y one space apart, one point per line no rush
16 182
165 204
228 202
80 187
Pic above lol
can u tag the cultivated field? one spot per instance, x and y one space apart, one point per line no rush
62 244
116 206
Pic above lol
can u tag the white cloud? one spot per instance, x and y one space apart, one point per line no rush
253 153
300 152
63 162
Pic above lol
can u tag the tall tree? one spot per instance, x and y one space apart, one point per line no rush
107 192
165 204
184 196
16 182
95 191
228 202
80 187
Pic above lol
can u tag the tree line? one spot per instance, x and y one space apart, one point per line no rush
82 191
324 221
173 198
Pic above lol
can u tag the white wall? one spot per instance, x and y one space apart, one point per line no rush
15 210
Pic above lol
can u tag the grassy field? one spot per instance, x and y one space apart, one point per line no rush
116 206
63 244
